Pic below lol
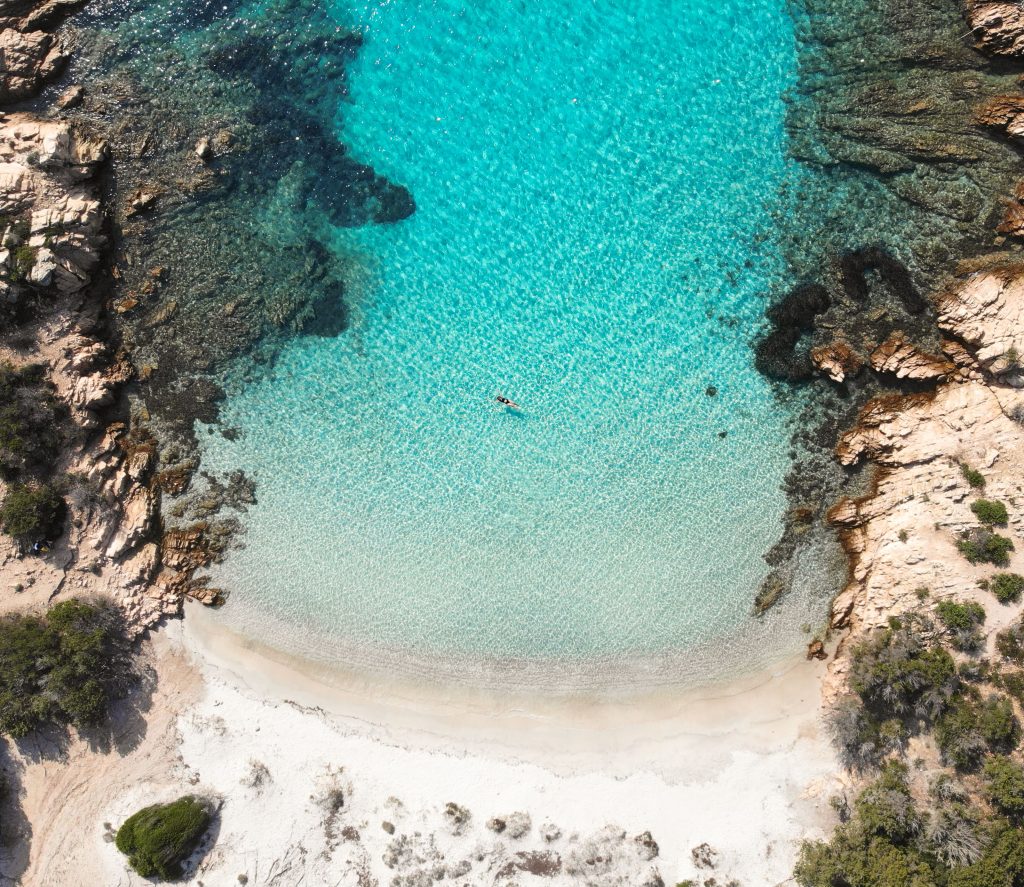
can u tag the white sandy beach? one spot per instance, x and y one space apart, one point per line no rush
743 768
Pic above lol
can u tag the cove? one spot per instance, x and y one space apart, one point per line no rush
597 193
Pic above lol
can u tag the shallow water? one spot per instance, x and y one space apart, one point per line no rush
594 238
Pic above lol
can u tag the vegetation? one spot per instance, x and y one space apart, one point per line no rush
159 838
1004 785
1010 643
32 513
975 478
31 419
972 728
962 621
990 511
61 668
1007 587
900 682
888 842
984 546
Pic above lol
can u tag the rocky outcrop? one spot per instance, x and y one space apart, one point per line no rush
30 53
53 236
899 356
901 537
837 360
997 26
987 313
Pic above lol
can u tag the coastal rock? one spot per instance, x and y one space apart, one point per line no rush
1013 218
899 356
45 166
997 26
987 313
816 650
1005 113
203 149
92 392
27 61
837 360
901 537
72 97
139 511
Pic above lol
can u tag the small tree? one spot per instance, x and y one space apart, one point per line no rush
159 838
1004 784
32 514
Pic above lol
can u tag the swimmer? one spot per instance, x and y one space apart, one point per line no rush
504 401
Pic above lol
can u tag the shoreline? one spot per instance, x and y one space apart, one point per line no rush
787 689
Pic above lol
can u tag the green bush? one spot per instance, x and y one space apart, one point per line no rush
984 546
32 514
878 847
990 511
62 668
1001 865
1004 784
159 838
969 730
975 478
897 672
31 421
1007 587
961 617
1010 643
962 622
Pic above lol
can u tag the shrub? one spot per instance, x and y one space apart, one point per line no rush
962 622
1004 784
959 738
997 723
1001 864
32 514
877 847
973 477
952 834
984 546
1010 643
1007 587
158 839
990 511
967 732
63 668
897 673
31 420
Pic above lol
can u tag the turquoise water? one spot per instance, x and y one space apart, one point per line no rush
596 185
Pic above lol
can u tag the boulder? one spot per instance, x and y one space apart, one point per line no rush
837 360
899 356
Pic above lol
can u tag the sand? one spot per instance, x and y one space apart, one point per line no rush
306 772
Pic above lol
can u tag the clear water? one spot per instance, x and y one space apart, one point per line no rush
594 238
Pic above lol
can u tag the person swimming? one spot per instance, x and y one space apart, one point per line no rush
504 401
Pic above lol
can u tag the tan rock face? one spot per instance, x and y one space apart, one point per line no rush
27 61
897 355
901 538
997 26
987 312
55 237
837 360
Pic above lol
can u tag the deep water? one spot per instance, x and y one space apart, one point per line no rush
597 194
